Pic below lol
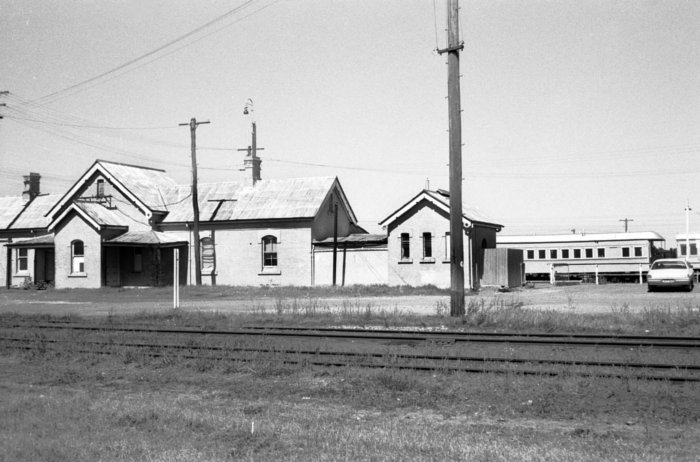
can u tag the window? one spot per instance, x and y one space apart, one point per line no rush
541 254
427 245
77 257
553 254
638 251
269 256
138 260
405 246
693 249
684 249
100 188
22 260
564 253
625 251
577 253
601 253
589 253
530 254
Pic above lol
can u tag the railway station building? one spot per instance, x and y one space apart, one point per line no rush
418 241
118 225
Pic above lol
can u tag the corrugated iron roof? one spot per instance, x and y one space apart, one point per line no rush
442 200
105 216
267 199
470 213
41 241
146 238
356 240
148 184
10 207
33 215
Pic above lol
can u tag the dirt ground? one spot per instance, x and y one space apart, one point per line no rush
580 298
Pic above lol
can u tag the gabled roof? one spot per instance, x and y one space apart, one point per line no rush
146 187
99 217
441 200
10 207
34 215
267 199
586 237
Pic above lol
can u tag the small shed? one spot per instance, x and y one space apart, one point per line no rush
503 268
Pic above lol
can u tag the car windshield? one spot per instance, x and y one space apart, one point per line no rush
669 265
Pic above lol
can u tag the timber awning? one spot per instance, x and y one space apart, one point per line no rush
45 242
145 238
354 241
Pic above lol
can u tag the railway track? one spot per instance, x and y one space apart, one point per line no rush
399 335
448 362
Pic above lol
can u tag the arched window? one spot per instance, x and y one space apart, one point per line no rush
77 252
269 252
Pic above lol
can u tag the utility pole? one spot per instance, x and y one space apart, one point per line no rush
626 220
454 46
687 230
195 201
335 238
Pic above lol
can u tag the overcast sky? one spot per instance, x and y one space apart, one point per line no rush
576 114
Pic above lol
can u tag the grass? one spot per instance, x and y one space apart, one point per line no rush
56 407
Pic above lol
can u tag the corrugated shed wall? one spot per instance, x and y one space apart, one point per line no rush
502 267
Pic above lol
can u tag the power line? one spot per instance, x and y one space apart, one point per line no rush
150 53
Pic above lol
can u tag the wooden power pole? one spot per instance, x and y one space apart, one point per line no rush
195 201
454 46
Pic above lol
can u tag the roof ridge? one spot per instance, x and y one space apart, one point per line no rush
130 165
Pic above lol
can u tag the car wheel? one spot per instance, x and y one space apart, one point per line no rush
650 289
690 287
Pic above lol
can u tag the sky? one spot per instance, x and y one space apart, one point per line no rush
576 114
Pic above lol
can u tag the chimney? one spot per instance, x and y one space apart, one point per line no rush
31 186
251 166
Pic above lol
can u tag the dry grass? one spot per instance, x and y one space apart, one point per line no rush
89 408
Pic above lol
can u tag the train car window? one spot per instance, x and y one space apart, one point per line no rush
553 253
601 253
564 253
693 249
683 249
637 251
530 254
541 254
625 251
589 253
577 253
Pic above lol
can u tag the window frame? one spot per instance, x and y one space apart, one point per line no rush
137 262
78 258
577 254
269 255
19 259
553 254
565 254
428 254
600 252
541 254
588 252
638 251
626 250
530 254
405 247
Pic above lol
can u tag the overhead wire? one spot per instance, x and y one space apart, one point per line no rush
55 95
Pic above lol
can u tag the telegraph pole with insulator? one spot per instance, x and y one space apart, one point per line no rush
195 201
454 46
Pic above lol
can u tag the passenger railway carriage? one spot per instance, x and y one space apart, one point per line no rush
687 248
615 256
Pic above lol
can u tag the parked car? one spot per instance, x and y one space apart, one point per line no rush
670 272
